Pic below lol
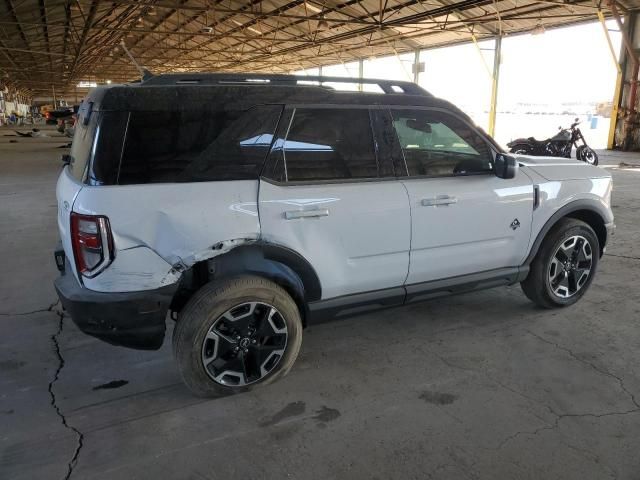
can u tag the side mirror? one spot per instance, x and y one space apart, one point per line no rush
66 159
506 166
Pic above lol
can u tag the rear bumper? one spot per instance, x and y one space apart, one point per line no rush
129 319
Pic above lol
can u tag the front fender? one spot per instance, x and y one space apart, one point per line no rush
597 210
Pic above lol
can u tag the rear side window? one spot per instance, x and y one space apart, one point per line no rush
186 146
82 146
436 144
329 144
106 157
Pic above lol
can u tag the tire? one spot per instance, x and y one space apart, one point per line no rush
521 149
215 327
587 155
548 284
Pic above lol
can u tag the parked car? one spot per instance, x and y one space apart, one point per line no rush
248 207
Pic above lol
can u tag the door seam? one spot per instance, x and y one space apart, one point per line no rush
404 283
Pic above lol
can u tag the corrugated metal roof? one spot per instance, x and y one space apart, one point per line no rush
47 42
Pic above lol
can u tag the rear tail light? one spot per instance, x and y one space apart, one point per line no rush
92 243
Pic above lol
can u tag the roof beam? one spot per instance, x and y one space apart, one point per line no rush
83 38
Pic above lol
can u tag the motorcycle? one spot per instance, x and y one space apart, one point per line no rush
559 145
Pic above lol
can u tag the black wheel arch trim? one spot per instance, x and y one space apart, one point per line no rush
273 261
278 263
592 206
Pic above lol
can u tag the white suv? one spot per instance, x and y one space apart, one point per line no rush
247 207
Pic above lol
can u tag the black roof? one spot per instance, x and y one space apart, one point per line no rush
173 92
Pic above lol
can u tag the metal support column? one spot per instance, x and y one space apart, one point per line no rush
416 66
494 85
360 72
618 88
628 33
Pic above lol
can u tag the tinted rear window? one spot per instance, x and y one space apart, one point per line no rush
81 146
164 147
109 139
329 144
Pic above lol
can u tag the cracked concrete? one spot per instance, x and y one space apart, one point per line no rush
54 402
31 312
479 386
591 364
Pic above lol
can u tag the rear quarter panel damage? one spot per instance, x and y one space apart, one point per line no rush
162 229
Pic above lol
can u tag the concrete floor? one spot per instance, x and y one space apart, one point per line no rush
480 386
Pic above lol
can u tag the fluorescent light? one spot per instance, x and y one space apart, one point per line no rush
85 84
240 24
108 82
312 7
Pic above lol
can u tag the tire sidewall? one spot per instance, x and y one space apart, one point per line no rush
205 309
582 151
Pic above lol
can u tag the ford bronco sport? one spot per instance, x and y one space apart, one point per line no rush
245 207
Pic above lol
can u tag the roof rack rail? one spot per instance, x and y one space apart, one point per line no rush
387 86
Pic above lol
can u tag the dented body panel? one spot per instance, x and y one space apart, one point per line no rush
163 229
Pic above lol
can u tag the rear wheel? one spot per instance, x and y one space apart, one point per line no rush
521 149
564 267
235 335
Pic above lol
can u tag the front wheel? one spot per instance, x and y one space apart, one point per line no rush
564 267
235 335
586 154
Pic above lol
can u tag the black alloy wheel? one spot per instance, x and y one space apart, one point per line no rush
564 266
570 266
244 344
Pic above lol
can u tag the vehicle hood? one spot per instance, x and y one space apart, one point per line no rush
557 168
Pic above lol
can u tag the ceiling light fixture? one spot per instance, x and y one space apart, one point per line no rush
322 24
312 7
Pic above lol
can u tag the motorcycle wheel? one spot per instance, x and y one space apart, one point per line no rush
521 149
587 155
